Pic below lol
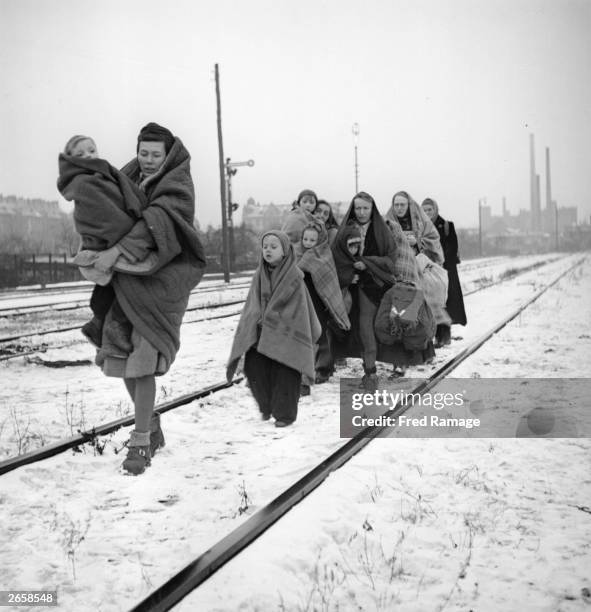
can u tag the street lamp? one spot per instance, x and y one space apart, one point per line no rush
231 169
355 131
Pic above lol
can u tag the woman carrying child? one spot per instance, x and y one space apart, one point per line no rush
368 275
314 258
277 332
154 301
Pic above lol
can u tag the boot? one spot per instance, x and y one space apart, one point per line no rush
93 331
138 453
156 436
369 382
442 336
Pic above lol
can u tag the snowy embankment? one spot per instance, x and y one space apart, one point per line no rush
75 516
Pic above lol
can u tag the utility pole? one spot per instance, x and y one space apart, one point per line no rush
355 131
480 226
225 250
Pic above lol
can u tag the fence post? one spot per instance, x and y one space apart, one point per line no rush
34 268
50 268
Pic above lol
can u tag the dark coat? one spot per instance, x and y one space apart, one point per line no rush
449 243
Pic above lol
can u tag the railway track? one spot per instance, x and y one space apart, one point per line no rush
205 565
196 572
18 337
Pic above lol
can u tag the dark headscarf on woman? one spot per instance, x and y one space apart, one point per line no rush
152 132
379 250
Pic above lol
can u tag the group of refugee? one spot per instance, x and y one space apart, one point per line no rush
377 288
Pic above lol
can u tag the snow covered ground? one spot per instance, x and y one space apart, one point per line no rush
414 524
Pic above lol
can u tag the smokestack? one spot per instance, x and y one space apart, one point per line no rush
504 207
534 187
548 181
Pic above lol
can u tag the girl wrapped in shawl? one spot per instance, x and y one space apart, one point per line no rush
155 301
277 332
300 215
315 259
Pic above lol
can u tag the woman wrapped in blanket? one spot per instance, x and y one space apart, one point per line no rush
300 215
315 259
420 232
449 243
277 332
154 301
374 268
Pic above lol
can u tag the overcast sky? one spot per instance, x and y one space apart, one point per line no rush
445 92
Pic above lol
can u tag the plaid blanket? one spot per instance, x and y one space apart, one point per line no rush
319 263
295 222
422 227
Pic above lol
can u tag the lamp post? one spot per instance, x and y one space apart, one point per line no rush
231 169
355 131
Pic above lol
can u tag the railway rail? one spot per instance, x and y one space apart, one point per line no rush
18 337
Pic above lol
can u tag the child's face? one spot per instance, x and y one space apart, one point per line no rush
353 246
322 212
308 202
85 149
309 239
272 250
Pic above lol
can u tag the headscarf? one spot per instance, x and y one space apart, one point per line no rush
306 192
422 227
152 132
435 206
342 257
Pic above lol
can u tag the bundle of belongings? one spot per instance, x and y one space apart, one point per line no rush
404 316
434 283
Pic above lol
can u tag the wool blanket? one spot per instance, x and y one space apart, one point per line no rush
278 317
319 263
295 222
107 203
434 282
423 229
155 301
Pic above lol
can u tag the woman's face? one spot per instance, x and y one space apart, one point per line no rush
322 212
400 205
272 250
429 210
151 156
308 202
362 210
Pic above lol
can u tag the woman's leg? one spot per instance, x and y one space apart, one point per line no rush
367 315
130 386
144 400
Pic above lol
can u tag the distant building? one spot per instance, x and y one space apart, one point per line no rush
36 223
